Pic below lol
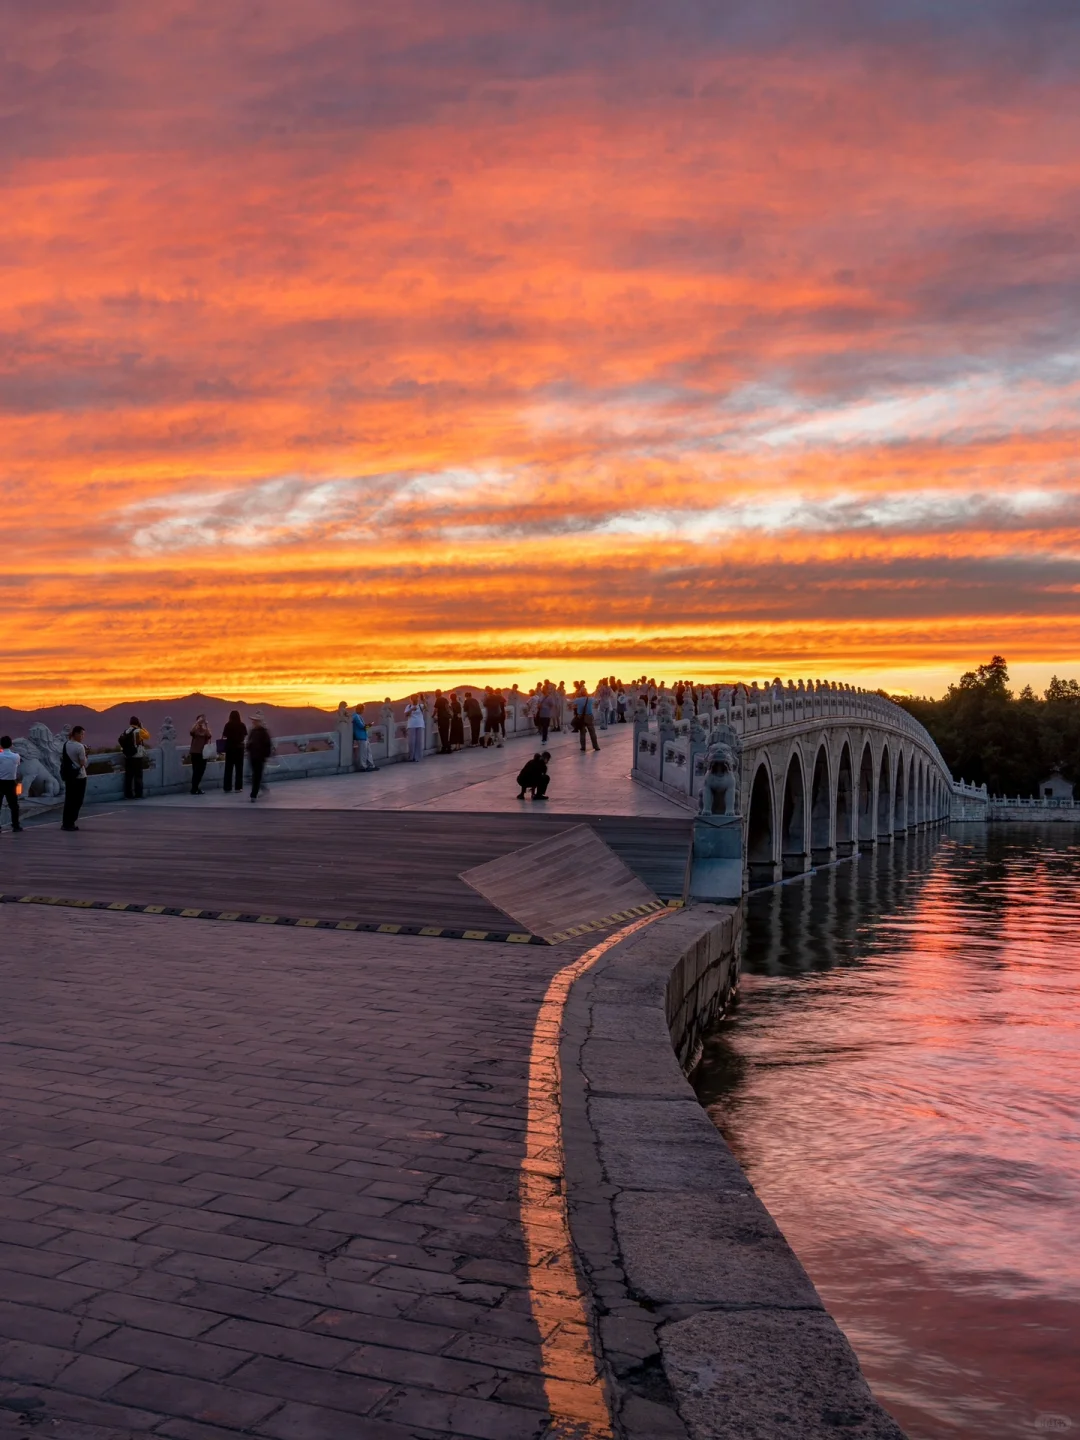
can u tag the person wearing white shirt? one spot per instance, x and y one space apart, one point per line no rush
74 776
9 780
416 727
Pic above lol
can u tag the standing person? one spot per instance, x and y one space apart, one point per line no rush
442 721
9 781
545 713
259 749
620 705
457 723
73 774
201 736
474 714
560 705
234 734
583 719
132 743
416 728
493 706
534 776
360 743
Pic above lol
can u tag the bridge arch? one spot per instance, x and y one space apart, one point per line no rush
912 793
924 793
884 796
793 848
823 839
866 795
846 817
899 825
760 829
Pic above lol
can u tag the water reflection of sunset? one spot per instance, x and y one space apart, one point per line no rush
900 1081
377 342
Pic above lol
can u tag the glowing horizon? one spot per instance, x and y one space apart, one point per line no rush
343 353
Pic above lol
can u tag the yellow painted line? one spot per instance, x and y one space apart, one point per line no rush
119 905
308 923
153 909
474 934
267 920
229 915
347 925
579 1407
192 914
388 930
512 939
432 930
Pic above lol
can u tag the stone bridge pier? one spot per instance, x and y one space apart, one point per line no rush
824 770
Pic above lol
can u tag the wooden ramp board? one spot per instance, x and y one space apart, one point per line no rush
562 885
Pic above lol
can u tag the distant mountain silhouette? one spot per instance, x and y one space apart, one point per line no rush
104 726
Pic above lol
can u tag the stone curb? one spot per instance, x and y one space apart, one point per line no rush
707 1325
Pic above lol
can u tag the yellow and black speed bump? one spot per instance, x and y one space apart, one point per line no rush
620 917
441 932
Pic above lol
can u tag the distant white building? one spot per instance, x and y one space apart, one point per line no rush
1055 787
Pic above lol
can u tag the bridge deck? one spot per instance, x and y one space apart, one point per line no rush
399 867
267 1180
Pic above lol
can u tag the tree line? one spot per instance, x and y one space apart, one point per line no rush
991 736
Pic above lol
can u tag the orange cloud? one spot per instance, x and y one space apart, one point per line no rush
337 350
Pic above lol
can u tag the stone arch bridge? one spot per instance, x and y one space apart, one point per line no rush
823 770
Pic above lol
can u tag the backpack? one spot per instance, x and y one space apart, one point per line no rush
68 769
128 744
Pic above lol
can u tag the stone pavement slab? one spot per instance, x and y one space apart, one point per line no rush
557 884
263 1182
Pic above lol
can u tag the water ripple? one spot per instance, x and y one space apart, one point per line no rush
901 1081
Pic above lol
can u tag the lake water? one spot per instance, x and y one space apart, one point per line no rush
900 1079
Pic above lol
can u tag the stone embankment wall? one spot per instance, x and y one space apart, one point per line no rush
708 1325
1033 812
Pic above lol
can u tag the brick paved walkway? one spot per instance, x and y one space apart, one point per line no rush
262 1182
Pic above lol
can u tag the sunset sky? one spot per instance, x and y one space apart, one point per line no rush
348 346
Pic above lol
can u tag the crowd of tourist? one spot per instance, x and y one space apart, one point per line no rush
461 719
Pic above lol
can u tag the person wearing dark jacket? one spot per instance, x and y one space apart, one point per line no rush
457 724
442 721
259 749
234 735
201 736
534 776
474 714
132 741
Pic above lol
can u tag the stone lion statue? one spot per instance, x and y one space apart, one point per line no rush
40 767
720 787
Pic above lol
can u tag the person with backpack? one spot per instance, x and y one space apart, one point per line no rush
534 776
9 782
259 749
234 734
73 777
582 719
200 738
132 743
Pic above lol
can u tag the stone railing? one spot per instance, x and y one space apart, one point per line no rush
671 757
968 803
167 764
